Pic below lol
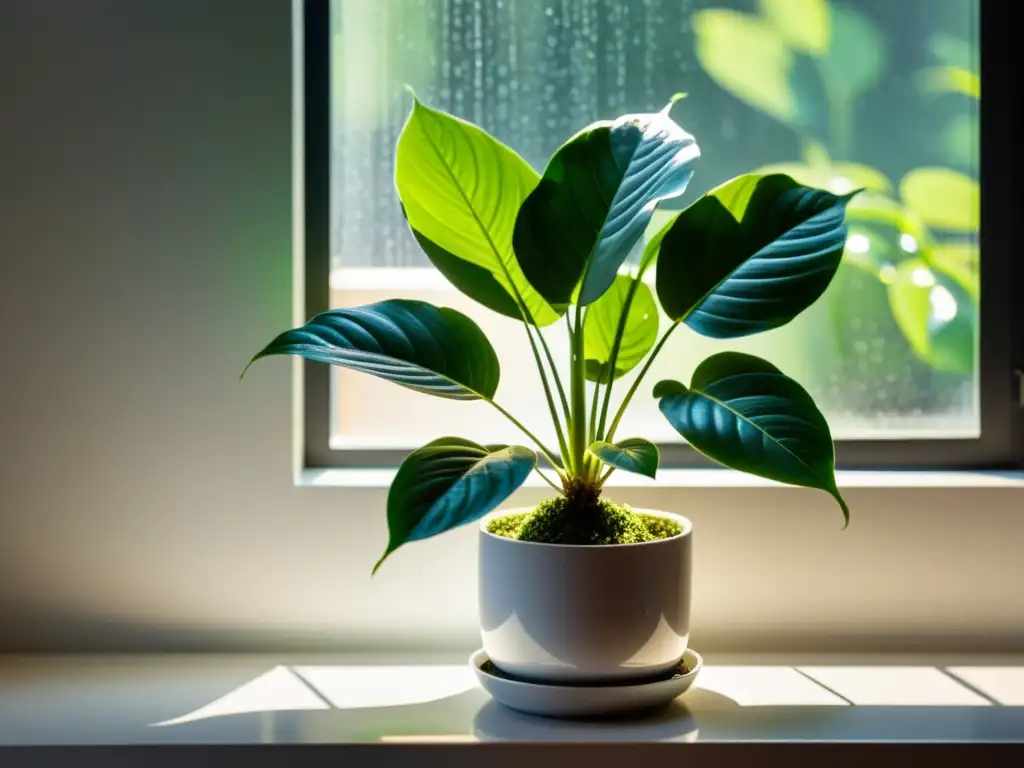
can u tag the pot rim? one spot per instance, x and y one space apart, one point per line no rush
684 522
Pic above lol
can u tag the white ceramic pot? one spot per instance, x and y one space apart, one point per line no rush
565 613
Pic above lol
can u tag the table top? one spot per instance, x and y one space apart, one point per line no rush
290 700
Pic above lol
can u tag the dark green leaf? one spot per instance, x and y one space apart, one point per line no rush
450 482
669 387
750 255
596 197
741 411
634 454
472 280
602 321
431 349
461 190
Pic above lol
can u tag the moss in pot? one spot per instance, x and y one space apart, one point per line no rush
581 588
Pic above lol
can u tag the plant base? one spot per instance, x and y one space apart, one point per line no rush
563 520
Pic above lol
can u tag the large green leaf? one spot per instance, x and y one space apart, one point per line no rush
430 349
748 57
602 321
450 482
743 412
461 189
634 454
750 255
937 314
594 202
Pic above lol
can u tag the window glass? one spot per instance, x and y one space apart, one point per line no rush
844 94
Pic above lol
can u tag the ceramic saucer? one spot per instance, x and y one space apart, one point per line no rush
553 700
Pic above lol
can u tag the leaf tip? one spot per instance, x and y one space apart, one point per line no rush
247 367
411 91
842 505
672 100
667 387
850 195
380 562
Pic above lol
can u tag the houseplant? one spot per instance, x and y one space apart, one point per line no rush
581 587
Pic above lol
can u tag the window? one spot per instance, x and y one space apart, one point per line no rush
856 94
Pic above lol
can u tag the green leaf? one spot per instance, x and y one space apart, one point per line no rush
937 314
450 482
461 189
634 454
601 321
747 57
804 24
467 277
596 198
856 56
434 350
743 412
668 387
943 198
750 255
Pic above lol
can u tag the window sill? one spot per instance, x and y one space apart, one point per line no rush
357 710
708 478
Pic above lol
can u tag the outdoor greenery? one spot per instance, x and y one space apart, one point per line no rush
914 251
747 257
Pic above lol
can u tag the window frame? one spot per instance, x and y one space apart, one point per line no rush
1001 343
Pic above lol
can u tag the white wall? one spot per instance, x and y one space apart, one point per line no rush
146 498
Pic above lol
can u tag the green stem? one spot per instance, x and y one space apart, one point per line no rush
547 479
592 428
577 386
639 378
620 331
548 454
554 372
606 475
547 387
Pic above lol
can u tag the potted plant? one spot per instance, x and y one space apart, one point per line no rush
581 588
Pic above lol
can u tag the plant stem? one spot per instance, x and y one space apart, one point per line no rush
606 475
620 331
577 385
554 372
592 427
543 449
528 320
639 378
547 387
547 479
